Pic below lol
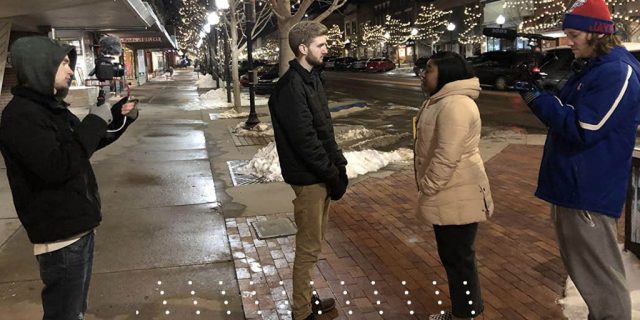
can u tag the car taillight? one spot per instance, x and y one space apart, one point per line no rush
535 69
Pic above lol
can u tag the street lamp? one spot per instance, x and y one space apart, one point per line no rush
222 4
414 54
250 13
450 27
500 20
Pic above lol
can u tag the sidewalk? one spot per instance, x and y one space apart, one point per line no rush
176 234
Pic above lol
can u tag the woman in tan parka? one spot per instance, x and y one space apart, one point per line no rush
454 192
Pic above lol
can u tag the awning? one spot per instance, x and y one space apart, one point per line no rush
133 17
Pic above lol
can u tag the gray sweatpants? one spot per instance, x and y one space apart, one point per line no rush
590 253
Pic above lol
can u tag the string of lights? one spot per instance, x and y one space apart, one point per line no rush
472 19
432 23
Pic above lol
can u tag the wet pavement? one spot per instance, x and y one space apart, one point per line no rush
176 231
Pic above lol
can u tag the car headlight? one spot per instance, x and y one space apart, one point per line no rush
275 80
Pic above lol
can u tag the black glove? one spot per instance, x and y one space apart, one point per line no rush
337 188
528 90
343 175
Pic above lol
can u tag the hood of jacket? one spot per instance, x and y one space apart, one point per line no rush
468 87
36 60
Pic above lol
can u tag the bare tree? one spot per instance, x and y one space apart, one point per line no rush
286 20
234 25
431 24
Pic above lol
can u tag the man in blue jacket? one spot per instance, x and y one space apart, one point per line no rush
310 159
47 149
587 156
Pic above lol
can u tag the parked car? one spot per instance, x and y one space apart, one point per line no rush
329 63
359 65
501 69
419 66
267 82
243 66
244 79
343 63
380 65
555 67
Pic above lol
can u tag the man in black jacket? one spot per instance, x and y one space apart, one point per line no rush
310 159
46 149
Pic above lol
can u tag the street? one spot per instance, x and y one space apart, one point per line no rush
497 108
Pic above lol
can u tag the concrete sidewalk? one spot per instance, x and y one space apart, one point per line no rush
176 235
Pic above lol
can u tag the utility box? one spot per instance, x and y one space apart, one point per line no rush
632 208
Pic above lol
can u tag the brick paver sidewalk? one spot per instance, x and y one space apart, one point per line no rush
374 236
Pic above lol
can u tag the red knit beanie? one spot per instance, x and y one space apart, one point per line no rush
590 16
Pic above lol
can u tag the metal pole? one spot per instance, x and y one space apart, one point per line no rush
250 10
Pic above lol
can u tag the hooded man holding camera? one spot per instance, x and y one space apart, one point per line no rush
46 149
586 163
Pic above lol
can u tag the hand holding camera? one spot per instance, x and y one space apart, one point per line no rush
103 111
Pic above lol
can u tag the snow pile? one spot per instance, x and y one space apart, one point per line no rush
574 307
506 135
265 163
163 77
365 161
231 114
259 130
348 111
356 134
206 82
398 107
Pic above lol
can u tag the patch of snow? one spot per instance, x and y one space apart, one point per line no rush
266 164
217 98
259 130
397 107
346 112
206 82
356 134
231 114
164 77
574 307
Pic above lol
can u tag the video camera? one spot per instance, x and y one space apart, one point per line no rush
105 69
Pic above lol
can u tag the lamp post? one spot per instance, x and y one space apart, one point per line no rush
414 33
387 35
450 27
500 21
250 12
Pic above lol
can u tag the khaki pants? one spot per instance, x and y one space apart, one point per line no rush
589 250
311 207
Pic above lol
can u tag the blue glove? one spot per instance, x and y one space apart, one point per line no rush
529 91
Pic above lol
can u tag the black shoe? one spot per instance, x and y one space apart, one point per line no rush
324 305
312 316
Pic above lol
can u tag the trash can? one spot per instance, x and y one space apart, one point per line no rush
632 208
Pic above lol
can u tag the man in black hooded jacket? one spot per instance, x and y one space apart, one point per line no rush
310 159
46 150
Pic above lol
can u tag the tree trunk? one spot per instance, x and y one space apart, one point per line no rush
237 102
285 51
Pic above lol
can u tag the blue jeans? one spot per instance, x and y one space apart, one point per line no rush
66 274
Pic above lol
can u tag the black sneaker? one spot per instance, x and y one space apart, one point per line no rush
324 305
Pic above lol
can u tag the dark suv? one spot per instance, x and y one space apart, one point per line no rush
501 69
